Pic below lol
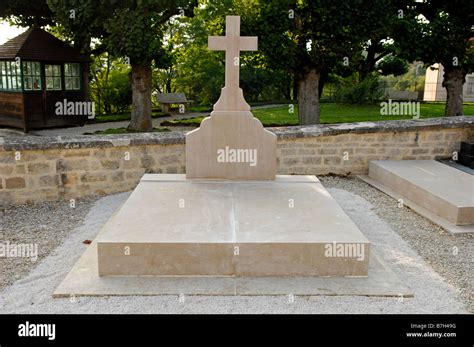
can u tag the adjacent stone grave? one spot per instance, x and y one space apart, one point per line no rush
439 192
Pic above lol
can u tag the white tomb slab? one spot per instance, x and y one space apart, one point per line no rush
287 227
439 188
441 193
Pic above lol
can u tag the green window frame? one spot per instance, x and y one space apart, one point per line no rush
10 76
72 76
31 76
52 74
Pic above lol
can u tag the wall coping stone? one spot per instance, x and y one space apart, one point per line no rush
30 142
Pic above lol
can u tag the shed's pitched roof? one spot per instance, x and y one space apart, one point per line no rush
37 44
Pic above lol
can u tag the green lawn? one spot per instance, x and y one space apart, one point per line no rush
114 131
118 117
200 108
331 113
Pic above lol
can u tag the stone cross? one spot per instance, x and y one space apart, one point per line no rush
231 143
231 97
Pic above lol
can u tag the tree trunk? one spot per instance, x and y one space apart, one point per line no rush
367 65
295 87
107 104
83 43
141 98
453 81
287 88
322 81
168 83
308 97
85 81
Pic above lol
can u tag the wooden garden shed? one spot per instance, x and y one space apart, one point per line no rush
38 71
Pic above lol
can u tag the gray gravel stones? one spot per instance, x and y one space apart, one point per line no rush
45 224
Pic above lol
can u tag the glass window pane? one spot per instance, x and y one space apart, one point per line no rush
73 81
53 77
57 83
36 83
72 69
31 76
49 83
27 83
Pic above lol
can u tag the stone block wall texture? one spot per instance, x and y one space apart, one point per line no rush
34 169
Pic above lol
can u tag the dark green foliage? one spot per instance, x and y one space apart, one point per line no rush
364 92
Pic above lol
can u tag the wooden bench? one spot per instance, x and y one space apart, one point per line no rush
402 95
168 99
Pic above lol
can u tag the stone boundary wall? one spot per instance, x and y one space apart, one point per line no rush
34 168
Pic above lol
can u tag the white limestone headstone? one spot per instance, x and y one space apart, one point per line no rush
231 143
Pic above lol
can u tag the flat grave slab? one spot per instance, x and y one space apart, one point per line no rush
444 192
83 280
171 226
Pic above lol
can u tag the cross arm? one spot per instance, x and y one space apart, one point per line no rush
216 43
248 43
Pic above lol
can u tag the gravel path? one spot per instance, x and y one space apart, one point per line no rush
372 211
46 224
